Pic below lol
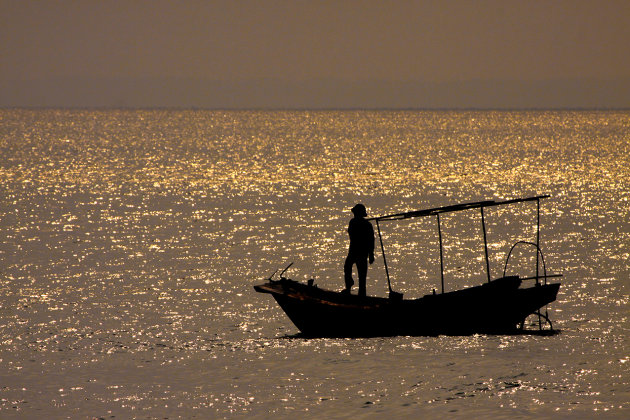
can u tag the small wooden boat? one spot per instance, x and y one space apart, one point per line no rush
499 306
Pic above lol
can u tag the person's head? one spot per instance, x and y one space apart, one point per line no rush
359 210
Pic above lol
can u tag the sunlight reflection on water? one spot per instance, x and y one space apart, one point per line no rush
132 240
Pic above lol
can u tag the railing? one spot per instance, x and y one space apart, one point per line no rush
537 277
542 258
539 254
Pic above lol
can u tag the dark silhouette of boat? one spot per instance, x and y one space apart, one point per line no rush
500 306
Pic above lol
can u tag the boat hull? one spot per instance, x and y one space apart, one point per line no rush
497 307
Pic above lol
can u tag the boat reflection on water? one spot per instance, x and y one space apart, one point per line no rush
499 306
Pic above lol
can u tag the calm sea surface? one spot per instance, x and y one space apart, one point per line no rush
130 242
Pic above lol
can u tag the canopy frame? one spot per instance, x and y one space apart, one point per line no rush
436 211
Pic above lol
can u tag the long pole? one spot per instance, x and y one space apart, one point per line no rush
538 238
380 238
441 254
485 244
538 252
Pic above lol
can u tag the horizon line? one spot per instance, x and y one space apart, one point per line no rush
286 109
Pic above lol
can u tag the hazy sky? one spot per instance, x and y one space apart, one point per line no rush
286 54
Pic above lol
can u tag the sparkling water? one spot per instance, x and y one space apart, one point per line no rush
131 241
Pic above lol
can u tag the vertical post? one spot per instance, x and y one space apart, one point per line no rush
538 237
380 238
485 243
441 254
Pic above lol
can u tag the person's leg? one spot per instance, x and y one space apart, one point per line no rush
362 266
347 273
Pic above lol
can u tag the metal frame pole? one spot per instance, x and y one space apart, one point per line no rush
441 254
380 238
485 244
537 253
538 238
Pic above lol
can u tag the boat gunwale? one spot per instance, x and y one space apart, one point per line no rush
296 290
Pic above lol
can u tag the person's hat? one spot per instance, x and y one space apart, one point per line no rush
359 210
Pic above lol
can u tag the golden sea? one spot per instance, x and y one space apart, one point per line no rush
131 239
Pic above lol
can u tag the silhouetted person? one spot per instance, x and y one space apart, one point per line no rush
361 248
